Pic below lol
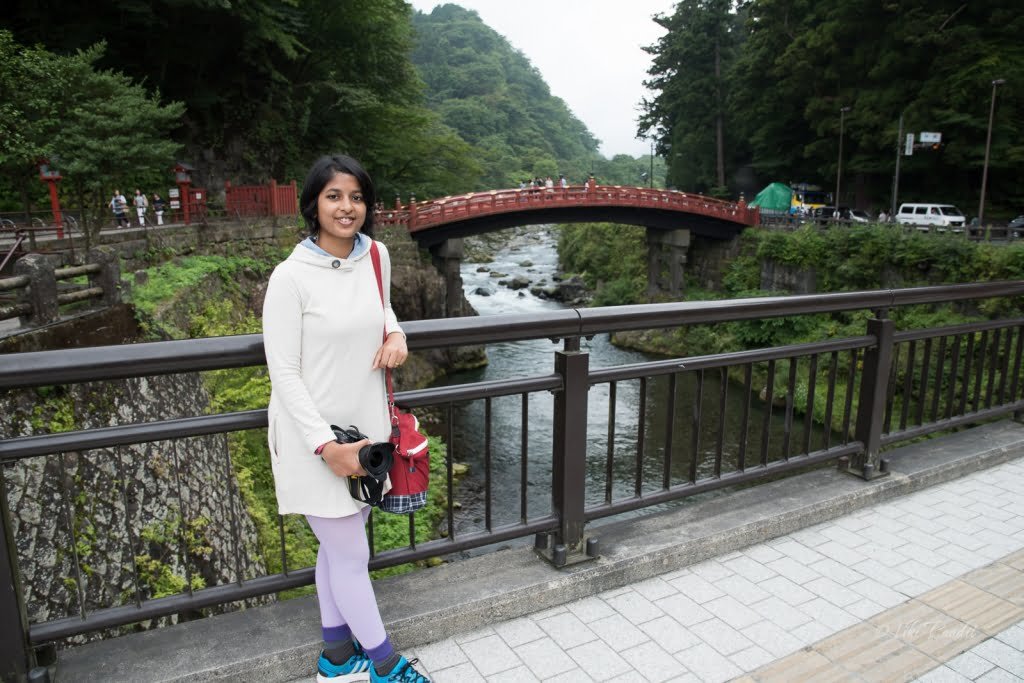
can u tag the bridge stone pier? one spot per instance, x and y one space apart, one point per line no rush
447 257
666 260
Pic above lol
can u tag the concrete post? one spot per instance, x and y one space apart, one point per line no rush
448 259
41 292
109 277
677 244
653 262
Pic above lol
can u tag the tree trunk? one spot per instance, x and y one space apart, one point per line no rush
719 143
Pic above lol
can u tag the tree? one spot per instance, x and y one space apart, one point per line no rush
689 114
105 130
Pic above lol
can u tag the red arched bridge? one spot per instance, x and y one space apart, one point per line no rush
434 221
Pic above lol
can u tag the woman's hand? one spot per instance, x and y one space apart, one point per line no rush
343 458
392 352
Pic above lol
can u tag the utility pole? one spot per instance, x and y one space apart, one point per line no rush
651 175
988 144
839 167
896 176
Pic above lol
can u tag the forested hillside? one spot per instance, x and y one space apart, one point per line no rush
769 77
266 86
497 101
115 92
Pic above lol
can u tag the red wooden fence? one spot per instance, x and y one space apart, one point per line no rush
261 200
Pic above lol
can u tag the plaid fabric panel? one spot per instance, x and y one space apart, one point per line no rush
401 505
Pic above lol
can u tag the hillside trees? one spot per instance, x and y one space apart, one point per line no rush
497 102
98 127
270 84
689 114
798 62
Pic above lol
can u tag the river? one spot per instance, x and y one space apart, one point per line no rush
532 254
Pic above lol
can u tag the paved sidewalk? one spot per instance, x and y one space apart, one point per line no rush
943 574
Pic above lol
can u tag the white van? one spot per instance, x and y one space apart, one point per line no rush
927 216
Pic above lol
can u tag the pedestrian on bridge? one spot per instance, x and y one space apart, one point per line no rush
322 329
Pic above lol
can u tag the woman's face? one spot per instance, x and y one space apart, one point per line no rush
340 212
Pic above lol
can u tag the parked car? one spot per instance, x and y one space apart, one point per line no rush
927 216
845 213
1016 226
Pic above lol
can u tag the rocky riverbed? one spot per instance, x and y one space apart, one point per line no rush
542 279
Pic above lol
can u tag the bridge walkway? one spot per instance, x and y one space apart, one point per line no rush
818 576
938 596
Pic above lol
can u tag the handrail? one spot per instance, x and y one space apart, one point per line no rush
867 364
40 368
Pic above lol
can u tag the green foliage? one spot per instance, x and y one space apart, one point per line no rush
689 75
873 256
609 257
775 74
497 102
100 128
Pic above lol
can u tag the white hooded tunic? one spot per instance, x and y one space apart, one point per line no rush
322 325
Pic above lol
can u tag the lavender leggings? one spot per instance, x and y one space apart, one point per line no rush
343 583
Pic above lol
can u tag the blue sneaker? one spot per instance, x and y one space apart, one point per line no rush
402 673
355 670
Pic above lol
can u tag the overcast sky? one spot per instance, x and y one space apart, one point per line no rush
588 52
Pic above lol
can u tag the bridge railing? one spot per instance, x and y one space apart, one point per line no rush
684 438
425 214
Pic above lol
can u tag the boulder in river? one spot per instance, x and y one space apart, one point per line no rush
482 291
572 291
519 282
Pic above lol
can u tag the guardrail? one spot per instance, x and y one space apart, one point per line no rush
868 391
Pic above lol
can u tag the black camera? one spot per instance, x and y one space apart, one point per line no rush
376 458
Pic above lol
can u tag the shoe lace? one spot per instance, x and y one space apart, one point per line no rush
411 675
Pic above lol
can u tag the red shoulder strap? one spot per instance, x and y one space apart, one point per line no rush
375 257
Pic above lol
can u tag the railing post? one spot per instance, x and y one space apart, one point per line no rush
274 209
109 277
18 657
41 293
569 455
873 395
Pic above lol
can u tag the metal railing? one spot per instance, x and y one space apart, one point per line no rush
863 393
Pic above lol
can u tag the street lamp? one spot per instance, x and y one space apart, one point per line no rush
839 168
988 145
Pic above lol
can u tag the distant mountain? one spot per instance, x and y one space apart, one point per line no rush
490 94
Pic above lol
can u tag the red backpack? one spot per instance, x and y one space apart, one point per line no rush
410 472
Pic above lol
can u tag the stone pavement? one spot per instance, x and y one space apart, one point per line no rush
938 595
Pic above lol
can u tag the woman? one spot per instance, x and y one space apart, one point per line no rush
322 329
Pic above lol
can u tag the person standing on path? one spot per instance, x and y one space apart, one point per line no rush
141 204
119 205
158 208
322 328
